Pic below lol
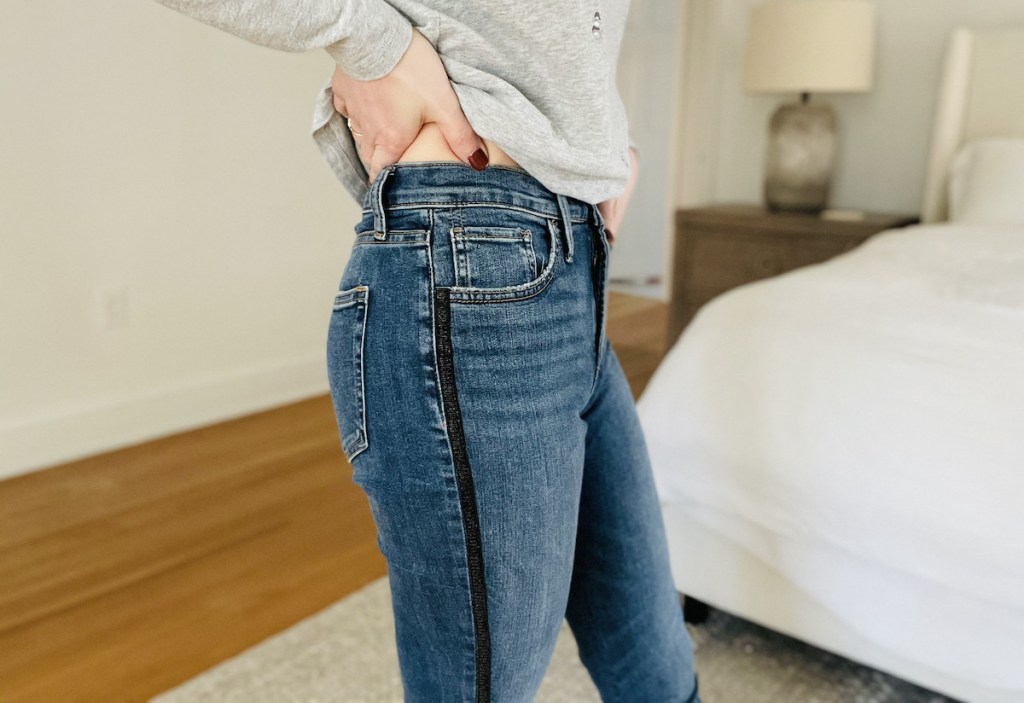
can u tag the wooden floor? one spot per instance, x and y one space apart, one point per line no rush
124 574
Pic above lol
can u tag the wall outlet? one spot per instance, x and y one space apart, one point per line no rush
113 310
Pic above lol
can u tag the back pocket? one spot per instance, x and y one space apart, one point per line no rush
346 349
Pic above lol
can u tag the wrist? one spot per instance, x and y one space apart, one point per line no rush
390 35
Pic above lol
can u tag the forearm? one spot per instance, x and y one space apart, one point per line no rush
365 37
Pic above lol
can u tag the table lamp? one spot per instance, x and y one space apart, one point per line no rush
805 46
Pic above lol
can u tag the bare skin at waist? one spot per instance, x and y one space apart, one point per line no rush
430 145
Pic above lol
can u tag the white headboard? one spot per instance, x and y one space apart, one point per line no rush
982 95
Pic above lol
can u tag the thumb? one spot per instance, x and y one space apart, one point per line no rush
462 140
607 210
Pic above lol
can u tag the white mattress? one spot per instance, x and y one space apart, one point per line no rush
872 405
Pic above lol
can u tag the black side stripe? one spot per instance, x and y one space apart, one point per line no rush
467 494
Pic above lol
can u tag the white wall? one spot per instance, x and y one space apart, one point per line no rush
141 148
144 149
884 135
719 132
648 77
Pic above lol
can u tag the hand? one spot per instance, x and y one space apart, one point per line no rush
615 209
390 111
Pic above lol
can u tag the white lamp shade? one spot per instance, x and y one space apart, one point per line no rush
810 46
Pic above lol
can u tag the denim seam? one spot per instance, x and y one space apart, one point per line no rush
367 232
466 489
696 687
602 312
355 297
521 237
431 278
443 162
380 228
418 205
363 429
566 224
467 294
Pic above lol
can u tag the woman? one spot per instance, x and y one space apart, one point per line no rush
481 405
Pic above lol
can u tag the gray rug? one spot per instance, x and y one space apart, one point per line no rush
346 653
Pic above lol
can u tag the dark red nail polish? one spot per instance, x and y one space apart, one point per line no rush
478 160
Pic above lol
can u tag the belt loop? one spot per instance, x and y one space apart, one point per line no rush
595 215
563 207
380 229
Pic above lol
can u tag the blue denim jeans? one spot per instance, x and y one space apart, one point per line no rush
488 421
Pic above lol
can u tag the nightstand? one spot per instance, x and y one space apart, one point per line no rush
719 247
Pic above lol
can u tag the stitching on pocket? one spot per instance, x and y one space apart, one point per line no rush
469 294
478 249
346 367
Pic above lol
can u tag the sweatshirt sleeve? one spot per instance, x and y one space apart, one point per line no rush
366 38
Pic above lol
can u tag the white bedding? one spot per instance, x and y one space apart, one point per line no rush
872 405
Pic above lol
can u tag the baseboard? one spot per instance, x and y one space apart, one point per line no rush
75 432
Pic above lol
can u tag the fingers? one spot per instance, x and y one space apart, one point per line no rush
338 80
384 144
611 213
379 148
381 157
607 210
339 103
461 137
365 148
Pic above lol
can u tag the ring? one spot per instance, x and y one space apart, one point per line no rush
358 134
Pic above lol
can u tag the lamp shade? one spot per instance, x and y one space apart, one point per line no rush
810 46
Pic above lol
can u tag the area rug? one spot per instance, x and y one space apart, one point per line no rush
346 654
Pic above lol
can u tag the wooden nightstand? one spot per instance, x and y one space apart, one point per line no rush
719 247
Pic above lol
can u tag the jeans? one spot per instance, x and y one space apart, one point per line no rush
489 423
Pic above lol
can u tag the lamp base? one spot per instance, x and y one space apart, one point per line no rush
800 157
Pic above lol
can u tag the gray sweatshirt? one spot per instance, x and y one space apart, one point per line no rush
537 77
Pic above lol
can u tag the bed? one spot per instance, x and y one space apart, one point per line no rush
839 451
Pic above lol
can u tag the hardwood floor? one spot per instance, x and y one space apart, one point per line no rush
638 328
126 573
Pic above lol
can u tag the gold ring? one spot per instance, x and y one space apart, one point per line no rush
358 134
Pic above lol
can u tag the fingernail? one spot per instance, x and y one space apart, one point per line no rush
478 160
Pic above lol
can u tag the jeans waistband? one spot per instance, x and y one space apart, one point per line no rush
452 183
